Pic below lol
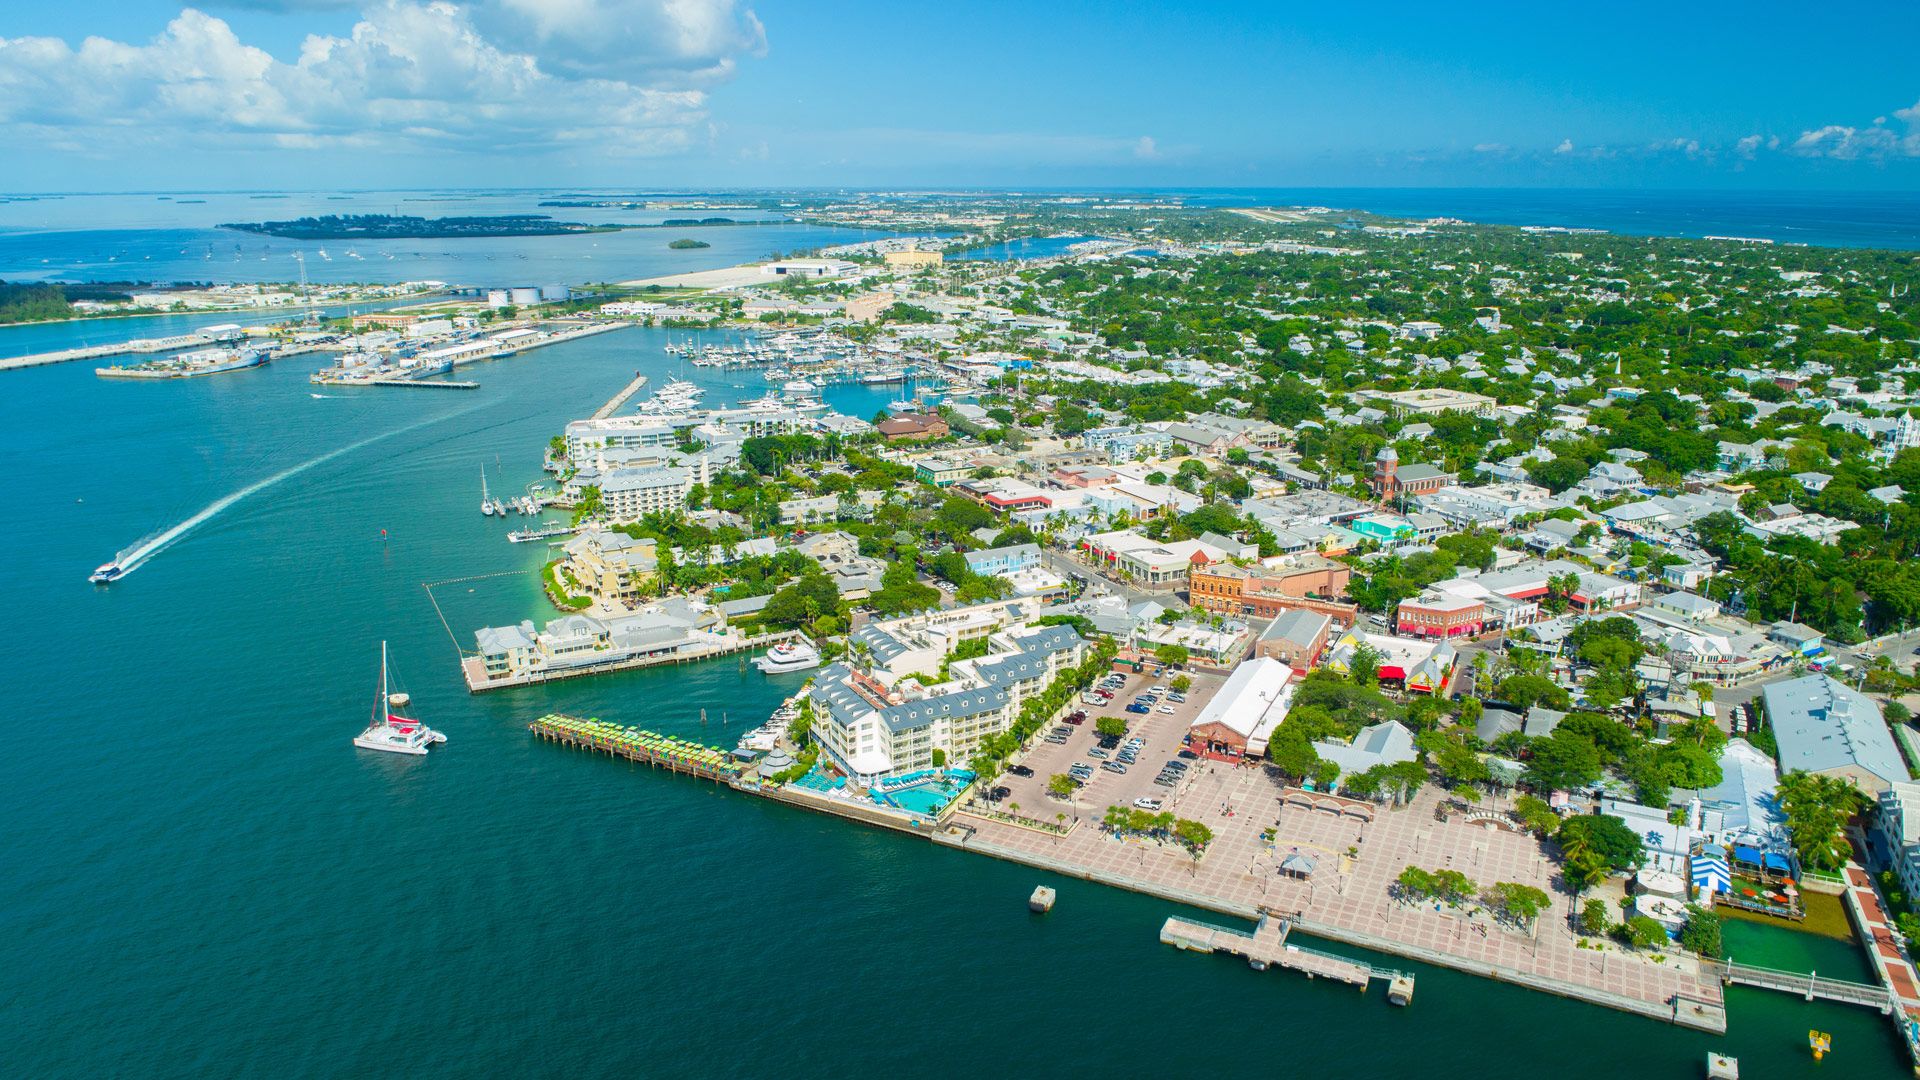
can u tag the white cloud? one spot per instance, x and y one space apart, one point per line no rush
1146 149
628 38
1565 147
1490 148
1875 142
409 75
1843 143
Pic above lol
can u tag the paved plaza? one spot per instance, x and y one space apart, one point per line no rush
1348 895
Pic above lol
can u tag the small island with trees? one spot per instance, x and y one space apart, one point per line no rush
407 227
685 244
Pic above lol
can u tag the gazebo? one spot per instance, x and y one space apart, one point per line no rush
1298 866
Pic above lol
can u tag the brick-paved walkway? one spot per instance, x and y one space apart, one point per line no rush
1889 959
1349 893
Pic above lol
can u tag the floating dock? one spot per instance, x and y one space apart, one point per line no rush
1041 901
1267 947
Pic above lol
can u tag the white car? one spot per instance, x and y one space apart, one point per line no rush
1147 804
1168 709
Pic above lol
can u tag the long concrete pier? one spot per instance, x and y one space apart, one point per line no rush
613 403
95 352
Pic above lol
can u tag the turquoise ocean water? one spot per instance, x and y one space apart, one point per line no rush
202 877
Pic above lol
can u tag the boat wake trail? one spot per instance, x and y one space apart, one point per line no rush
141 551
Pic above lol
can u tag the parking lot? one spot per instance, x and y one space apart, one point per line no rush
1162 732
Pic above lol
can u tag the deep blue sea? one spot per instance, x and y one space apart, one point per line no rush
201 877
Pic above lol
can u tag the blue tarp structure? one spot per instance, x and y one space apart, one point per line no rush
1708 870
1767 860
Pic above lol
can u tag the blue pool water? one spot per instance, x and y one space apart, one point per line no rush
923 793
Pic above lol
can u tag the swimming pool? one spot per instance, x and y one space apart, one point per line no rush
925 793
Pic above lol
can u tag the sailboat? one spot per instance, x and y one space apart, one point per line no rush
486 500
390 731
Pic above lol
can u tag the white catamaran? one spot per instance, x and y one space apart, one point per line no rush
391 731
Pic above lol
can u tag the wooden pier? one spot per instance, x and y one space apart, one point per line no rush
638 745
1267 947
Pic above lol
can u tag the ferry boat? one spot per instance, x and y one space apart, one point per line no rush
788 656
390 731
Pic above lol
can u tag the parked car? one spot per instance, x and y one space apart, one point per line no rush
1147 804
1189 755
1177 698
1168 709
1115 767
1138 708
999 793
1096 752
1178 765
1019 770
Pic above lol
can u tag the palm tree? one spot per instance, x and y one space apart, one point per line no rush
1818 808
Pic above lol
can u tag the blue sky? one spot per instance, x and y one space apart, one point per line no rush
137 94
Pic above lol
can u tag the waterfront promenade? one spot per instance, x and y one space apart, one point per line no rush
1349 897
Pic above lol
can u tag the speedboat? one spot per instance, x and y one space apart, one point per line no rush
108 572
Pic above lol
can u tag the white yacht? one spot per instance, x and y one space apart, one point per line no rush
788 656
486 500
391 731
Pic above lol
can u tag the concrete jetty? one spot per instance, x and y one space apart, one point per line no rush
95 352
625 395
1267 947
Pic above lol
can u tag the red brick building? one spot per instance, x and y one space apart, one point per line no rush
1438 615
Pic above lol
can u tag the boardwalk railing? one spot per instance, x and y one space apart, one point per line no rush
1809 986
